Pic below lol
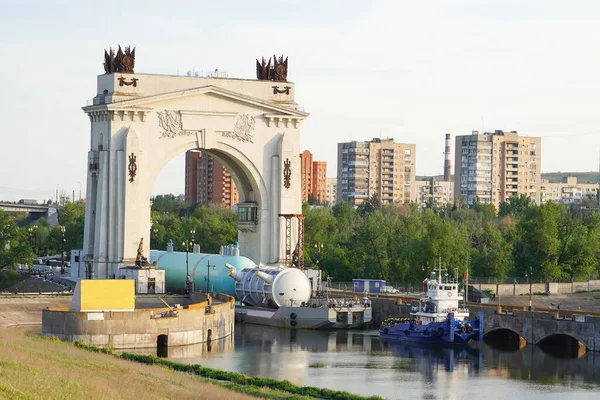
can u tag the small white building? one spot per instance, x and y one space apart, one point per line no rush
148 279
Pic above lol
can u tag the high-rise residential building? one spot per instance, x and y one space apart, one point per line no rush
380 167
567 191
331 191
493 166
207 181
434 192
313 178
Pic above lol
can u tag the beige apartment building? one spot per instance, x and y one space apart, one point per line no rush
331 193
567 191
435 192
493 166
380 167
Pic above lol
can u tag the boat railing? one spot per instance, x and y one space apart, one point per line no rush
361 303
456 310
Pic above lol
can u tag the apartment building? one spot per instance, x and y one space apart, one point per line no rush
379 167
313 178
435 192
331 193
567 191
493 166
207 181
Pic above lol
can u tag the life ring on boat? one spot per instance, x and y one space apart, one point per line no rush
469 328
385 330
293 323
463 329
449 294
293 315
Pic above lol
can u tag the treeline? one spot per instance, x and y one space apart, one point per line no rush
399 243
402 243
22 239
173 221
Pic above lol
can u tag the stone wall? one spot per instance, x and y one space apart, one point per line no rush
196 323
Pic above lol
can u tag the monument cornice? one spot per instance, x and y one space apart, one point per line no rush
139 101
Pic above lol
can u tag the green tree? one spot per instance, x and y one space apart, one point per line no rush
515 205
14 244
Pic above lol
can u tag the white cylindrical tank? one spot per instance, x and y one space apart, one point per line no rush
272 287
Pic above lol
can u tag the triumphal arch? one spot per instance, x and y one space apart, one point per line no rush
141 121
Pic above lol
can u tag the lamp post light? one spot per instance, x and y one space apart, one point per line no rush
208 268
62 250
33 237
530 275
319 246
188 243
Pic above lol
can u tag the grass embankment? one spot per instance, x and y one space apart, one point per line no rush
32 367
35 367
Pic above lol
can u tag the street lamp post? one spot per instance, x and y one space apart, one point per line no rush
319 247
62 250
208 267
33 237
187 244
530 275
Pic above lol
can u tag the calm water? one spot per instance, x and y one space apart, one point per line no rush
358 361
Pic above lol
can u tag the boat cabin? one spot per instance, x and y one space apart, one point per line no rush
442 298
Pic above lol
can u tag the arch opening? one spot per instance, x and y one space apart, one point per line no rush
561 345
251 199
504 339
162 346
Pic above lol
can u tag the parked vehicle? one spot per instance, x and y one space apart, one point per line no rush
389 290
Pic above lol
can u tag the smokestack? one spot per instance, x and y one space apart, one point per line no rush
447 162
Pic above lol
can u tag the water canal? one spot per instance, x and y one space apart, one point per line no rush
358 361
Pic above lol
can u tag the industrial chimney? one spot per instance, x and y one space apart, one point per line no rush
447 162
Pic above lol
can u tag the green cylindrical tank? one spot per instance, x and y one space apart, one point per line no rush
174 265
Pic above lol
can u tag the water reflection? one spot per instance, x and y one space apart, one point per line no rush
358 361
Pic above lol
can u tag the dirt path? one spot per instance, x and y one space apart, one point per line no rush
27 310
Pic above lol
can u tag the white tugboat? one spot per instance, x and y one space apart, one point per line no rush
438 319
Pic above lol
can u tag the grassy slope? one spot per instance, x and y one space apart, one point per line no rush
32 367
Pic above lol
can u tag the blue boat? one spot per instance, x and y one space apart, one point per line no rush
438 318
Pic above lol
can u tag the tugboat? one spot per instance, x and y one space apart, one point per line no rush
438 319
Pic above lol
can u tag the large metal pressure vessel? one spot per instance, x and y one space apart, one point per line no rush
174 264
271 287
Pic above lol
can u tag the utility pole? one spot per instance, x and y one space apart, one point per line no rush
467 281
62 250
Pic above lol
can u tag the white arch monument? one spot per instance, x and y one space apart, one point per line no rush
141 121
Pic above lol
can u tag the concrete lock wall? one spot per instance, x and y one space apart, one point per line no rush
140 328
522 289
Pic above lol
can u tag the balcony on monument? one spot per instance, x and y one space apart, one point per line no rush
247 216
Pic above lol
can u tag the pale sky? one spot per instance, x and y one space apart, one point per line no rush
408 70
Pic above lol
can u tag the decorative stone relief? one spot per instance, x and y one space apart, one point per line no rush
170 122
241 131
132 167
287 173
